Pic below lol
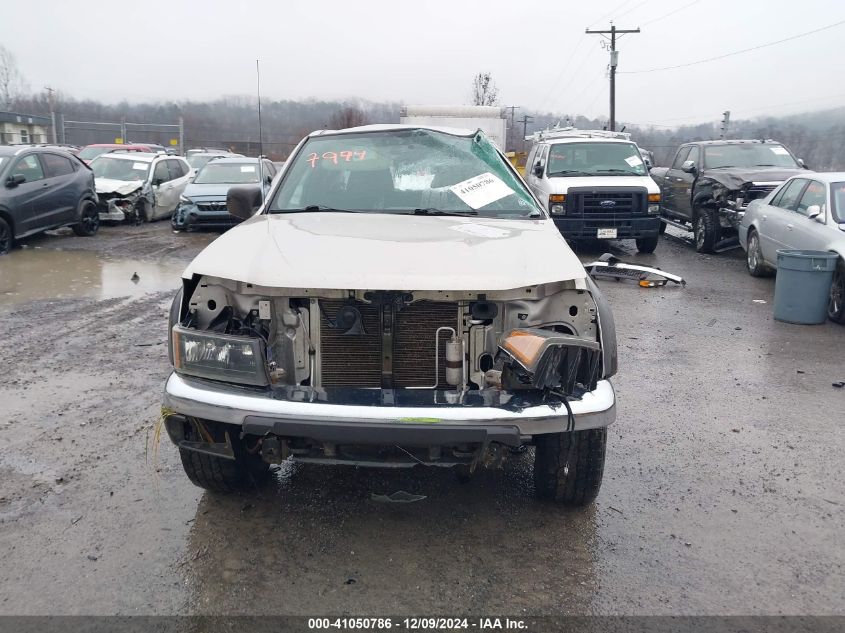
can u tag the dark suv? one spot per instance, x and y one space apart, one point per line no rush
44 188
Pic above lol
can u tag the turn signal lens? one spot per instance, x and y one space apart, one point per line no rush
557 197
654 197
523 346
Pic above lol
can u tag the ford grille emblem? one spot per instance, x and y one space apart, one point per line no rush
607 203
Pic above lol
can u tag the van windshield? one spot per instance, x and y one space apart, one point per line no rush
594 159
405 171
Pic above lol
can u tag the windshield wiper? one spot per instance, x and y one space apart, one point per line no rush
441 212
313 208
569 172
618 171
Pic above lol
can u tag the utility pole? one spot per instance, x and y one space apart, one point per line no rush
525 120
512 108
726 121
614 59
52 100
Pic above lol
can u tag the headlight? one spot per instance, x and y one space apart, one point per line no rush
185 200
237 359
557 204
654 203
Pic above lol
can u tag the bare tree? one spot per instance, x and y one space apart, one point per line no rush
484 91
348 116
10 78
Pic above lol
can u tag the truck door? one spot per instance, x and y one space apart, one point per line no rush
674 171
539 183
682 183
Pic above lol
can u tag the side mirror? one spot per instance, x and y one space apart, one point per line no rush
243 202
801 162
15 180
688 166
537 170
814 212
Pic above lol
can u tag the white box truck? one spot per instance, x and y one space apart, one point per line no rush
489 119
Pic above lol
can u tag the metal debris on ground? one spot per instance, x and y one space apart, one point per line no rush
839 384
610 267
400 496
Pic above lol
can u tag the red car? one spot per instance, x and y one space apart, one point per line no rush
90 152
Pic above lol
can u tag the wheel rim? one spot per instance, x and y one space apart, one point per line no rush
90 218
753 257
837 295
699 232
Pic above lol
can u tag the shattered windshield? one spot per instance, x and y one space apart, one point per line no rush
595 159
227 173
748 155
403 171
119 169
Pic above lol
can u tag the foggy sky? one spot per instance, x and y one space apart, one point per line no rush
427 52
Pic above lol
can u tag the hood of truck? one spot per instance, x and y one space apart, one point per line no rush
734 178
562 184
353 251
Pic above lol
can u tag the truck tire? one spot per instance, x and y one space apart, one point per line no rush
836 305
218 474
89 219
754 257
648 244
568 467
706 230
7 238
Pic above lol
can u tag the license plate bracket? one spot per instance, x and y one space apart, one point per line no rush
606 234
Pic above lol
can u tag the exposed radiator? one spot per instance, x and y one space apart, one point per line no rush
355 360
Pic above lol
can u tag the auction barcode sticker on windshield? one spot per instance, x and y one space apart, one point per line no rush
248 168
781 151
633 161
139 166
479 191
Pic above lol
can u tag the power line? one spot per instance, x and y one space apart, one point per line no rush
608 14
634 8
673 12
745 50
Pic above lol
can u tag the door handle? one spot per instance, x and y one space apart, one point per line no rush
788 227
765 217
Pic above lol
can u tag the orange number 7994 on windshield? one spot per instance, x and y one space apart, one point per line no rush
345 155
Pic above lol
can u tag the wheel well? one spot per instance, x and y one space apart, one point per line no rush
6 216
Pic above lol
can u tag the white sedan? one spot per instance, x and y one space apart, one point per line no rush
806 212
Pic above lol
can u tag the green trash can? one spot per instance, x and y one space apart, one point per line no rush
802 287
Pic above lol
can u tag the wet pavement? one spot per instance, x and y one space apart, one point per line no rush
723 490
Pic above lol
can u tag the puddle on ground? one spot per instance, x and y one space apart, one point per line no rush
27 275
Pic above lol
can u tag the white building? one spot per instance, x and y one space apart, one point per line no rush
23 128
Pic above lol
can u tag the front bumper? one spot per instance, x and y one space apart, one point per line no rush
631 227
730 218
260 413
189 216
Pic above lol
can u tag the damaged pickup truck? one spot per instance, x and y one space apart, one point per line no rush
139 187
399 299
710 183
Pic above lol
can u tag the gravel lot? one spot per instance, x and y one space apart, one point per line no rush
723 494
